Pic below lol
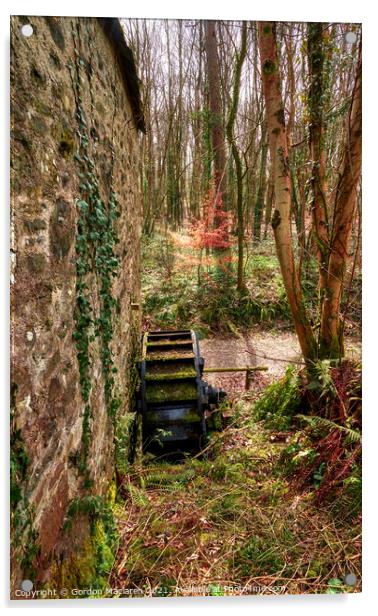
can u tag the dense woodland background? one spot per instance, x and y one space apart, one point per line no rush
207 168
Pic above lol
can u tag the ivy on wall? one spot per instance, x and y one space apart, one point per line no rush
95 260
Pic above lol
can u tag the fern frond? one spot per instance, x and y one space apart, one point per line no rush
138 497
352 436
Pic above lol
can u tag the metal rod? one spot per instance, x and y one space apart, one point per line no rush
239 369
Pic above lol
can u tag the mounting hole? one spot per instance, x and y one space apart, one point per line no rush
27 585
350 579
27 30
351 37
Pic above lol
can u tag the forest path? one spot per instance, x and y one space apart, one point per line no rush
271 348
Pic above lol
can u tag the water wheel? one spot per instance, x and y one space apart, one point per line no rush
173 397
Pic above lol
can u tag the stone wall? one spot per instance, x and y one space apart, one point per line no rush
75 276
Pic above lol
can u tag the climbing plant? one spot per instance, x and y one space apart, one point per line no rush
95 258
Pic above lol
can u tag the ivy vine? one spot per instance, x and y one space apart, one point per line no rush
95 243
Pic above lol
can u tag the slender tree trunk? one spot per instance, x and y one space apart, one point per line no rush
331 332
217 133
261 190
235 153
316 61
269 200
281 217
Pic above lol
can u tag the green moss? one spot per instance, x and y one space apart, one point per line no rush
191 416
104 551
184 342
91 567
78 571
168 356
173 392
172 376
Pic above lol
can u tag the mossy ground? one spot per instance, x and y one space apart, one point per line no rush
231 519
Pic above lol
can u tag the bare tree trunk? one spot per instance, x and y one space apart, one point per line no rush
331 332
235 153
269 200
261 190
217 137
216 112
316 59
281 216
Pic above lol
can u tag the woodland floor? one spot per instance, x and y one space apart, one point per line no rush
232 522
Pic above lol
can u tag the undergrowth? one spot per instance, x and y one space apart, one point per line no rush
236 519
178 288
323 415
181 285
280 401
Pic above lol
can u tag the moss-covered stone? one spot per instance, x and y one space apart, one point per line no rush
78 571
45 188
90 566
